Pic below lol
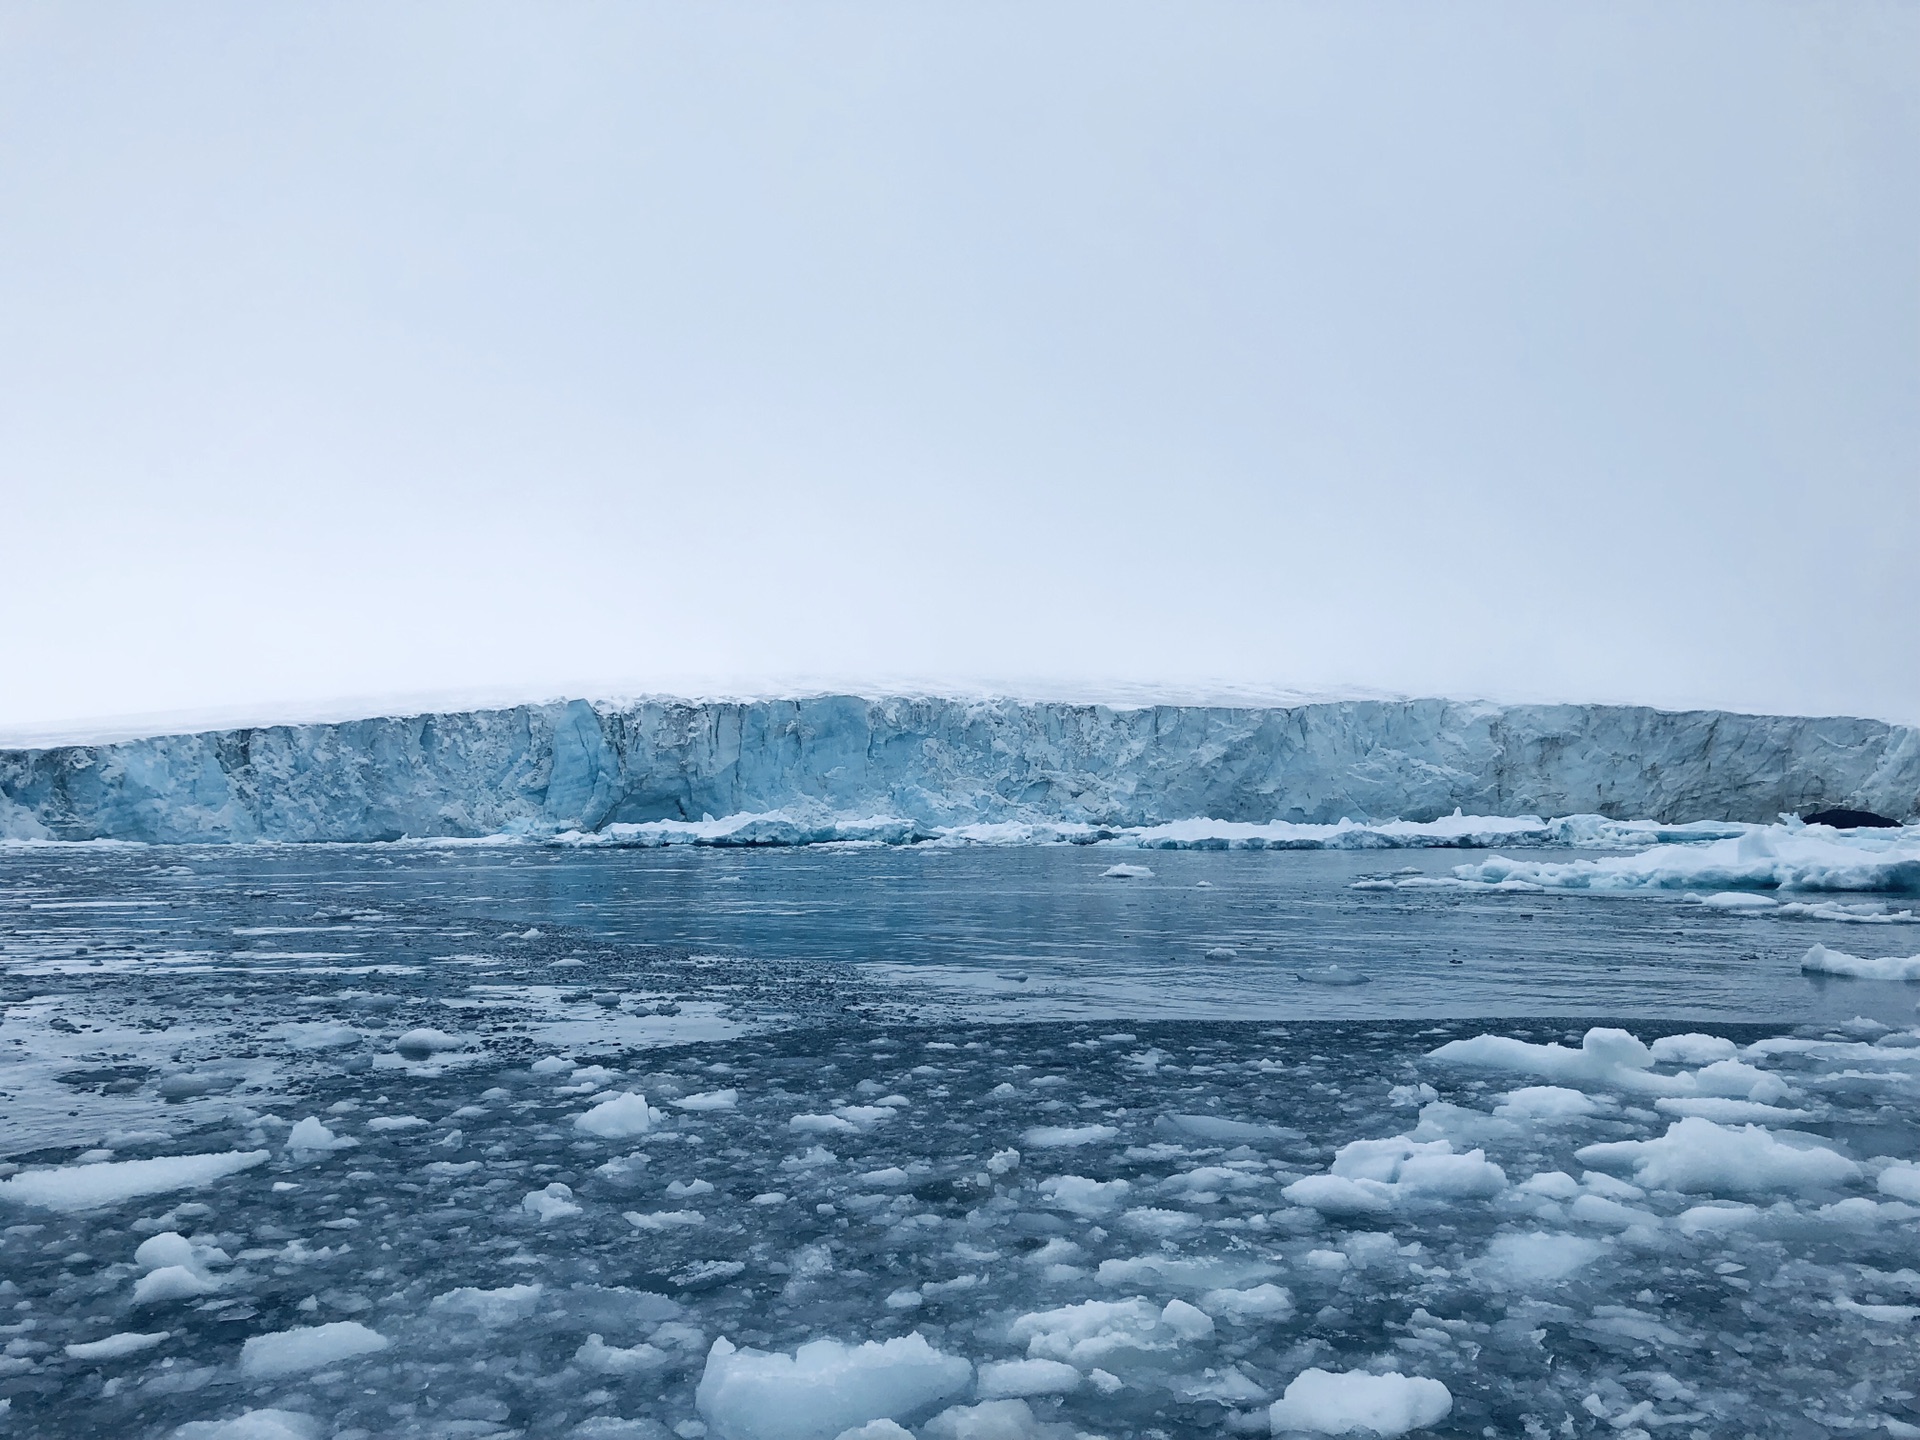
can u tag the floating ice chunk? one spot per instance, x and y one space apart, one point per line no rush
556 1202
1605 1057
127 1342
1418 1168
876 1430
1551 1184
1714 1217
1847 914
865 1117
664 1219
1176 1272
1078 1195
1008 1379
1337 1195
1109 1331
1692 1049
1210 1179
1764 858
1698 1155
1738 900
1382 1159
1900 1180
1545 1102
1333 974
709 1100
618 1117
681 1189
490 1308
604 1359
1345 1402
268 1424
550 1065
426 1041
1066 1137
993 1420
1529 1258
172 1282
1737 1080
289 1352
1822 961
1159 1223
396 1122
1885 1314
91 1187
1002 1162
170 1247
1218 1127
823 1388
316 1034
821 1125
312 1137
1222 952
1713 1107
1262 1302
1126 872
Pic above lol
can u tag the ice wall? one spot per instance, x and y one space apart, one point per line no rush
577 765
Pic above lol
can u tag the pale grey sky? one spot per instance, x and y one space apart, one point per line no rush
1520 350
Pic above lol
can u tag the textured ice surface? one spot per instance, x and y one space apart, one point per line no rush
842 767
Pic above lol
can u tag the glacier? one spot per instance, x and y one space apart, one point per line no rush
902 768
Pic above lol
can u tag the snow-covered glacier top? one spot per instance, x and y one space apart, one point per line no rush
911 768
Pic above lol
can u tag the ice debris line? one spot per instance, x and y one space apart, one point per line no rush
966 1232
1732 873
839 766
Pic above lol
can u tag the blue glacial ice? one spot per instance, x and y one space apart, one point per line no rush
846 767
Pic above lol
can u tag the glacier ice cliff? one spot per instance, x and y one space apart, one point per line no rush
928 762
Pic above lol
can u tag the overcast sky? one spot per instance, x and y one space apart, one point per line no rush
1525 351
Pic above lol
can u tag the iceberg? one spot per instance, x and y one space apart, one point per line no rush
845 768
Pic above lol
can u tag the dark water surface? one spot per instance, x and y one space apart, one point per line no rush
969 922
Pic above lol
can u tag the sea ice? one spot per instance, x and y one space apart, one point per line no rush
314 1347
1776 857
267 1424
618 1117
1066 1137
555 1202
824 1387
1326 1402
127 1342
311 1137
1821 961
1004 1379
1698 1155
1109 1333
93 1187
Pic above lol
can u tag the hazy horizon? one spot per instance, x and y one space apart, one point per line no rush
1526 353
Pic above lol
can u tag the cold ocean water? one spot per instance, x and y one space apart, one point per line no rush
772 1145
